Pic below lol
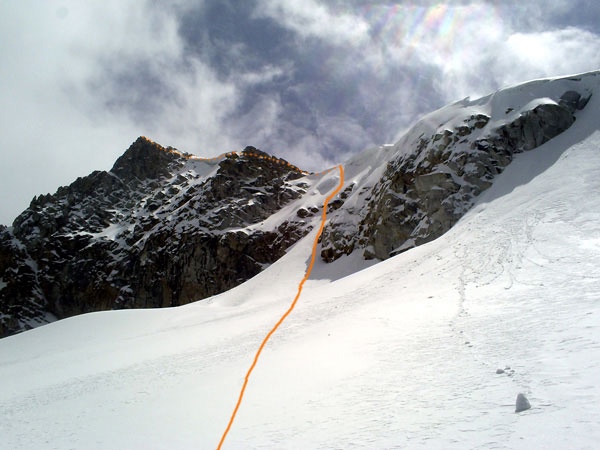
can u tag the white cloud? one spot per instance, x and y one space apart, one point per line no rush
310 18
516 57
45 140
551 53
471 48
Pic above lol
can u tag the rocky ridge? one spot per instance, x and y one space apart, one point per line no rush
163 228
159 229
442 164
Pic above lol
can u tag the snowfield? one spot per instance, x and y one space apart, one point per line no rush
402 354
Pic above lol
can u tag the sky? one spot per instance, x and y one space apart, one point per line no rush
306 80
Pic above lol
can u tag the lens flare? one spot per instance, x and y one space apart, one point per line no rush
406 27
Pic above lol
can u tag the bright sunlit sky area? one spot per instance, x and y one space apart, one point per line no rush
306 80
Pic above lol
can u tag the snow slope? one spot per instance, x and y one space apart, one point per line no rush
402 354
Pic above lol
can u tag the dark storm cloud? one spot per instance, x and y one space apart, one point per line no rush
581 14
302 94
228 36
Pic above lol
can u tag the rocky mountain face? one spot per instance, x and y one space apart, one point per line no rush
159 229
162 228
438 169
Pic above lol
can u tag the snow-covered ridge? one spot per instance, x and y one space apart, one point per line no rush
421 186
163 228
425 350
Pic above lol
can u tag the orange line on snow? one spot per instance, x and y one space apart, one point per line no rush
290 309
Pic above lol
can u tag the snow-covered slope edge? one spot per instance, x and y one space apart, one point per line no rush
400 355
433 174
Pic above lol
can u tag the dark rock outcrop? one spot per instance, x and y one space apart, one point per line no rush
22 304
425 191
154 231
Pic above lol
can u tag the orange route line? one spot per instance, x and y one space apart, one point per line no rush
292 306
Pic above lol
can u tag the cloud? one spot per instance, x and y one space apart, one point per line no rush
312 19
558 52
46 140
504 56
145 76
534 16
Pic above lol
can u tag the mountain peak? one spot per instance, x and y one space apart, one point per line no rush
162 228
145 159
253 150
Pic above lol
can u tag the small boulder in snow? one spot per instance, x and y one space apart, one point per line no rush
522 403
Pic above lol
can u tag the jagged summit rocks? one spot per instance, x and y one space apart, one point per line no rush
146 159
